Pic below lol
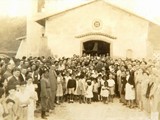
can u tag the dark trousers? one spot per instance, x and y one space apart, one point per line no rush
38 90
95 96
44 103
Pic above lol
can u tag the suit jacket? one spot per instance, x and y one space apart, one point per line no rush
7 74
36 77
53 79
13 81
44 86
21 78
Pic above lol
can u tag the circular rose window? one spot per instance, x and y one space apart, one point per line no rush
97 24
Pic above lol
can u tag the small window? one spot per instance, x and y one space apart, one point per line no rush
41 4
129 53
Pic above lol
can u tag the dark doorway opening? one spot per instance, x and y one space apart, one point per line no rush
96 47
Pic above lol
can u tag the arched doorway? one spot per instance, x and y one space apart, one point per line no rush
96 47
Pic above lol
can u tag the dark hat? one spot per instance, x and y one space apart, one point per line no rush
45 69
28 77
16 69
11 87
10 100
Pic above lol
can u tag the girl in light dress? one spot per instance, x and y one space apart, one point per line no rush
59 93
105 92
80 89
111 85
89 91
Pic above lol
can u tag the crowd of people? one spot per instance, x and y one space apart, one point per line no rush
44 82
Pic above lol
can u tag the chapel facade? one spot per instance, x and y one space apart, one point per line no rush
89 26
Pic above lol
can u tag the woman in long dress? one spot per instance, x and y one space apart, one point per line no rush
130 90
138 80
59 93
144 83
30 89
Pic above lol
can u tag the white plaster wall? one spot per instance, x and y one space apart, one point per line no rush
33 43
131 31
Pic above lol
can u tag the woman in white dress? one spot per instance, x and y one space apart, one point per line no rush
138 80
30 89
130 90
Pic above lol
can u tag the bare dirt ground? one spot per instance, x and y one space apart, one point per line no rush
95 111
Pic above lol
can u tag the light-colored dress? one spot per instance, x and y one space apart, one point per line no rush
139 79
111 84
89 93
104 91
32 101
129 91
59 92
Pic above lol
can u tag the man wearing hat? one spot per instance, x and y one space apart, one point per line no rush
14 80
45 92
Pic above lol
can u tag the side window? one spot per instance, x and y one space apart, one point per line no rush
41 4
129 53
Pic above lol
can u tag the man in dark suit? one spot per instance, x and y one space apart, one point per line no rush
45 92
14 80
52 80
22 76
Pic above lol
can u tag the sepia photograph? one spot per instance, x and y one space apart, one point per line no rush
79 60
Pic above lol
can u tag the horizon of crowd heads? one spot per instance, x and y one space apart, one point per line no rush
85 58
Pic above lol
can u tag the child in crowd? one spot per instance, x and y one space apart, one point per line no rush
10 115
64 89
95 90
89 91
71 86
13 96
111 85
80 89
99 80
67 77
105 92
23 102
59 92
76 90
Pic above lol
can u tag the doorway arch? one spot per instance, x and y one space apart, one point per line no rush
96 47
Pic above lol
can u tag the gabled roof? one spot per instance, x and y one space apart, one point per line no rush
40 18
